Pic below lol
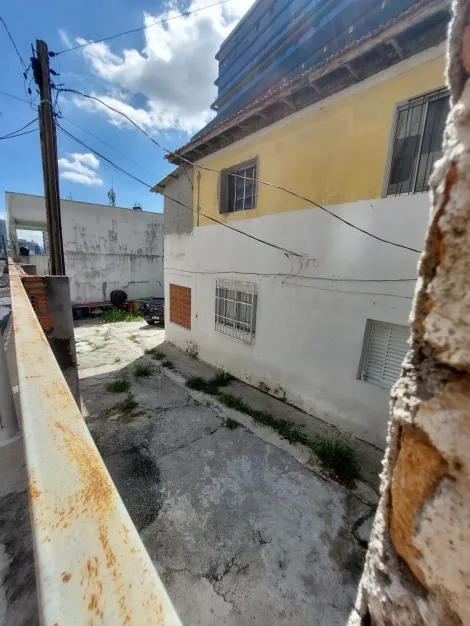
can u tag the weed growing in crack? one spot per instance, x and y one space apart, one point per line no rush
192 350
168 364
118 315
157 355
335 452
231 424
210 385
118 386
97 346
128 405
117 360
142 370
149 351
134 338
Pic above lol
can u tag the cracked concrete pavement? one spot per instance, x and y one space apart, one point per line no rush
241 525
240 531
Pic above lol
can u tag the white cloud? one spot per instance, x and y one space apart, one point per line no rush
65 38
174 72
80 168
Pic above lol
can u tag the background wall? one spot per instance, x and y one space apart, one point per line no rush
309 333
105 247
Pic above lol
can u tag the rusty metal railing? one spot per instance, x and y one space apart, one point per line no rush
91 565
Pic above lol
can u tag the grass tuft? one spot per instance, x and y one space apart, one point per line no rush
210 385
111 316
118 386
337 454
134 338
149 350
117 359
221 378
231 424
128 405
168 364
158 355
142 370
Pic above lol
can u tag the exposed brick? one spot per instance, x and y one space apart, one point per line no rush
180 306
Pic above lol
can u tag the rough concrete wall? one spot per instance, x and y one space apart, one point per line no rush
105 247
178 219
418 566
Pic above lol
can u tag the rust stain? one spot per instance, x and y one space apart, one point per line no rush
418 471
66 577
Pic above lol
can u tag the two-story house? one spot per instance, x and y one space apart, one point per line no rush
294 220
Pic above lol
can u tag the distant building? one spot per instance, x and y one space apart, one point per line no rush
3 231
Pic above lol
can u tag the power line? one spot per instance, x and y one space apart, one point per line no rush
14 44
136 30
257 180
28 132
118 167
13 132
10 95
106 144
325 278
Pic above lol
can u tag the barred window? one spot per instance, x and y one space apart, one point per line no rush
417 142
238 187
235 309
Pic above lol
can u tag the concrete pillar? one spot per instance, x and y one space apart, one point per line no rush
50 297
8 420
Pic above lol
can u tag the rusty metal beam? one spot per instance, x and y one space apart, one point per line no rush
91 565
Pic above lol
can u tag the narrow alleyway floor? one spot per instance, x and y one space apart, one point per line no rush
243 527
240 529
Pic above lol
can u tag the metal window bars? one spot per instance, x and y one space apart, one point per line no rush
417 142
242 189
235 309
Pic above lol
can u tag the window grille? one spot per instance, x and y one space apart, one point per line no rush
238 187
235 309
417 143
385 348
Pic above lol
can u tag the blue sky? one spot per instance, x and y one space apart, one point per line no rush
161 77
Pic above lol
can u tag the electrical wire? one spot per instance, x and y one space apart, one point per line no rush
10 95
20 129
14 44
326 278
136 30
286 251
256 180
106 144
28 132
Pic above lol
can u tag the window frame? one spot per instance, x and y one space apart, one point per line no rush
401 106
244 336
365 351
224 186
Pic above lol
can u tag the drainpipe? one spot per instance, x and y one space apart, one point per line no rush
8 421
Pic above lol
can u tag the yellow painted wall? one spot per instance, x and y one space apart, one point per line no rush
334 155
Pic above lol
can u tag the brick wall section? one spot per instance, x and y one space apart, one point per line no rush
180 306
36 289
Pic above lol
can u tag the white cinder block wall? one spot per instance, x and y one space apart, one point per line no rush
309 333
105 247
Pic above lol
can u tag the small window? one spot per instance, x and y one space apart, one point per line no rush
417 142
235 309
180 306
238 187
385 347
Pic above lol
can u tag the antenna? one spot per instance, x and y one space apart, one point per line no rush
111 194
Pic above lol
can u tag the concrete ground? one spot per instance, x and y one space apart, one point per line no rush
242 526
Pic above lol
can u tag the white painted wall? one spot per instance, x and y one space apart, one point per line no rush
309 333
105 247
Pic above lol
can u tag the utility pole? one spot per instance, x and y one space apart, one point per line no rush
49 159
